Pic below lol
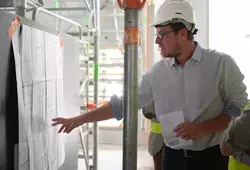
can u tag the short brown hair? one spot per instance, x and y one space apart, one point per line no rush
178 26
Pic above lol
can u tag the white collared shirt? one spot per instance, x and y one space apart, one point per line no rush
208 85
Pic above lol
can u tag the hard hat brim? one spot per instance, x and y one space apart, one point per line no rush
163 24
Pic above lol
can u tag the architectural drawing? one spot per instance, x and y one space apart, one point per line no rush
39 68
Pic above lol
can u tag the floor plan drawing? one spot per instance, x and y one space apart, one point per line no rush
39 68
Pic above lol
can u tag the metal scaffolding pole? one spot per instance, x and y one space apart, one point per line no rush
87 101
96 19
130 109
20 6
130 97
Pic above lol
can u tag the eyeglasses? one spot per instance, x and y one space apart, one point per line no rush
162 34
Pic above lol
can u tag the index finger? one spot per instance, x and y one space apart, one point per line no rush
57 121
178 127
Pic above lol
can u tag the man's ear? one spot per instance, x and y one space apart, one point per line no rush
183 33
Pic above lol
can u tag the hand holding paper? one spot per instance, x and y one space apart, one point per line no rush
169 121
188 130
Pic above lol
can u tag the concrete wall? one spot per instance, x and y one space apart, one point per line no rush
202 19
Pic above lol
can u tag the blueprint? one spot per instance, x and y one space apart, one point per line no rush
39 69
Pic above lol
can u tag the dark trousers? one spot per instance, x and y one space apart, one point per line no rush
157 160
208 159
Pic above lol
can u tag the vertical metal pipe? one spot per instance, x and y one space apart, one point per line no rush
58 21
86 47
130 96
95 125
87 101
96 66
20 7
87 4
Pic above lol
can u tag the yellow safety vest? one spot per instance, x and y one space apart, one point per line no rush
236 165
155 127
246 107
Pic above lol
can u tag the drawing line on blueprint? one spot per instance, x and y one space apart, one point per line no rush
41 145
22 152
35 103
39 90
32 58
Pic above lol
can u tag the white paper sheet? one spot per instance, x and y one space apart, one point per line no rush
26 64
169 121
40 98
38 54
60 112
23 155
51 44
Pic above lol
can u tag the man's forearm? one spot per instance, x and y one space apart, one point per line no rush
103 112
237 135
215 125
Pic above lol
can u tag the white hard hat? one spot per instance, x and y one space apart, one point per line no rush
175 11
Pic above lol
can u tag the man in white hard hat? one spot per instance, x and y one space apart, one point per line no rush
194 91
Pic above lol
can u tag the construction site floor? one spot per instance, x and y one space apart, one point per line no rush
110 158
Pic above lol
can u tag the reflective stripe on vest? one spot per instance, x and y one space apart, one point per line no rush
246 107
155 127
236 165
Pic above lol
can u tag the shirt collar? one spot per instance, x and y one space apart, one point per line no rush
196 56
197 52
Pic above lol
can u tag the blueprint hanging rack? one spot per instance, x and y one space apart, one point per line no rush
40 9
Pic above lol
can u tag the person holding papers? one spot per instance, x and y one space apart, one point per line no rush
195 90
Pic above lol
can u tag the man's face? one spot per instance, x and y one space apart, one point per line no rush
169 42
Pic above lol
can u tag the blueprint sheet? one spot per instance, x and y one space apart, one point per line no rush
39 68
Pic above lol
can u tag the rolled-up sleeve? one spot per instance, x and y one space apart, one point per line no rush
232 87
145 96
237 136
117 104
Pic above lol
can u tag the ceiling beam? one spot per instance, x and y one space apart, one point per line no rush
102 31
75 34
111 15
81 15
67 9
70 1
